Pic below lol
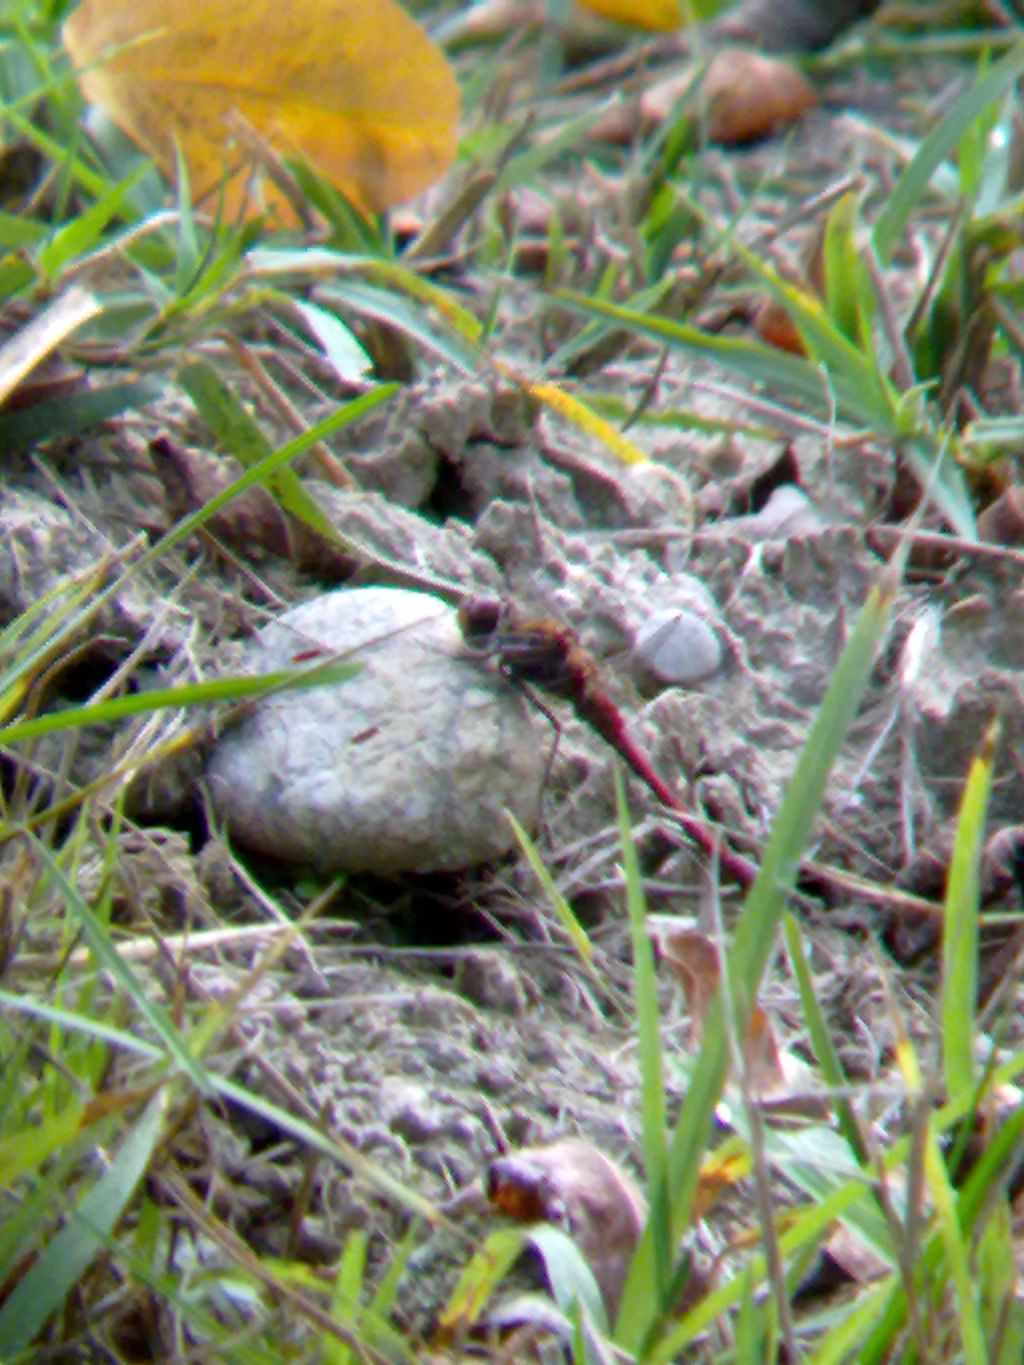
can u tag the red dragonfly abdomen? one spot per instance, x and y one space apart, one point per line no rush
548 655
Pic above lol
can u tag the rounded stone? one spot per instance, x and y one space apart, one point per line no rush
409 766
788 512
677 647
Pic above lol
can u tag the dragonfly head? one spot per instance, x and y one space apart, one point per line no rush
480 619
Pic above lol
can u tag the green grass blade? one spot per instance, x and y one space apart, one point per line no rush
751 1346
333 1147
325 264
756 930
239 432
839 1344
388 1290
825 1053
762 364
524 167
960 935
938 145
480 1277
30 1148
190 694
864 394
17 232
269 465
83 233
654 1110
23 429
943 481
996 1273
403 314
64 1260
36 1200
106 954
44 627
189 253
232 424
574 930
996 1160
845 301
848 382
568 1272
808 1230
957 1253
346 1296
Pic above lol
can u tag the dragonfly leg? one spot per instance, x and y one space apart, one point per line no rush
556 727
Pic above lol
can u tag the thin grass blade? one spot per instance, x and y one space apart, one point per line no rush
957 1254
654 1109
99 940
574 930
215 691
64 1260
938 145
960 935
829 1063
755 934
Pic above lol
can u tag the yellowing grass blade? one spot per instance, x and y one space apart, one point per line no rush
960 937
574 410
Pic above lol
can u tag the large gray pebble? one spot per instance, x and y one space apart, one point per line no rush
410 766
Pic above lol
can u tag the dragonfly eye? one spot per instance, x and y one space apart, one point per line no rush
480 617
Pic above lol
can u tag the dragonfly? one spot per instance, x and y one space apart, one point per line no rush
536 652
548 655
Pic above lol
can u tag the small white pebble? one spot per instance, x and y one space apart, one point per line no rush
788 512
678 647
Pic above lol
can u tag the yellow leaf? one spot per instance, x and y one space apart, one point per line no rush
354 87
661 16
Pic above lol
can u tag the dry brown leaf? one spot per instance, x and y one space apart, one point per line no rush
1002 521
750 96
693 959
354 88
774 325
746 97
769 1076
628 119
771 320
573 1183
776 1077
